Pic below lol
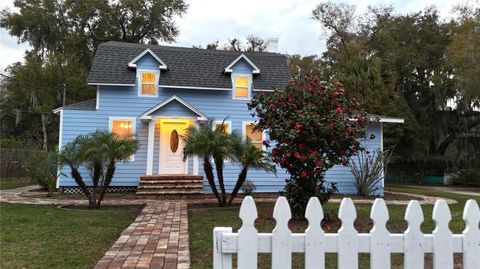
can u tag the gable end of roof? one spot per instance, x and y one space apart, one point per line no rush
132 63
256 70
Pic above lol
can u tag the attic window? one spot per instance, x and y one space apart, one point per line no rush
241 89
147 83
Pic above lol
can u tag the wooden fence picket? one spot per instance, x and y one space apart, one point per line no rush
281 236
347 236
247 235
442 236
379 236
414 238
314 236
347 242
471 236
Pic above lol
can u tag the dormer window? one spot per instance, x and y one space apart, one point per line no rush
241 87
148 83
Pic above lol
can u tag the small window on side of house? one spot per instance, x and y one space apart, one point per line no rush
123 128
256 136
226 127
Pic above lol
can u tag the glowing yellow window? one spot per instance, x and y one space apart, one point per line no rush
255 136
122 128
148 83
224 128
241 87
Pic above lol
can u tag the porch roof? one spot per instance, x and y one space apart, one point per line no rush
147 115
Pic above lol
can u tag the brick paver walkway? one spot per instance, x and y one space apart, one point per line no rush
158 238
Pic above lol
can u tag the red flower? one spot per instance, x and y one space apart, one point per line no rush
339 109
309 89
298 127
297 154
318 163
290 100
361 119
344 163
303 173
314 154
338 83
341 152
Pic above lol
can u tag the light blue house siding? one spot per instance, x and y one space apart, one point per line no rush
123 101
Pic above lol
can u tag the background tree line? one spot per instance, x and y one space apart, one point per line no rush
417 66
63 36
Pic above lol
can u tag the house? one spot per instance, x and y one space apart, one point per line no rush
155 92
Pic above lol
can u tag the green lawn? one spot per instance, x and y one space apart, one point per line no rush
202 219
6 184
34 236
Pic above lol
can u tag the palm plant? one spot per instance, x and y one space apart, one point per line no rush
214 144
205 142
249 156
98 152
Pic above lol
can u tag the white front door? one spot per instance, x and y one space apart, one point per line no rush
171 146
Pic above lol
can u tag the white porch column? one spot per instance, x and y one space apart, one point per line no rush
195 158
151 135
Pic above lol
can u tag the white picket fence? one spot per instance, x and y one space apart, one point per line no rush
348 243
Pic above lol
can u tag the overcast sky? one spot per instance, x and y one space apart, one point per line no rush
289 20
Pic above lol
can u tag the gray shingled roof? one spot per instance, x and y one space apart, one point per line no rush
186 66
84 105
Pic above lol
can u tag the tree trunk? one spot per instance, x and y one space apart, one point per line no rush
79 180
207 168
219 168
241 179
44 130
106 183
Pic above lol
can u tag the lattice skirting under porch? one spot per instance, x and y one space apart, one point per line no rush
76 190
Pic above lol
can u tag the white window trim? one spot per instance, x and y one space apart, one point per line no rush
139 82
134 128
234 84
244 133
228 123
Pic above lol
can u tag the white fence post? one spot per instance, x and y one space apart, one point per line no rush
379 236
247 235
347 236
314 236
471 236
281 236
442 236
220 260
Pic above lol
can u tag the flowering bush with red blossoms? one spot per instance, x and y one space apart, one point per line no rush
311 127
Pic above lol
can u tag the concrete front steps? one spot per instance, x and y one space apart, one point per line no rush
170 187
